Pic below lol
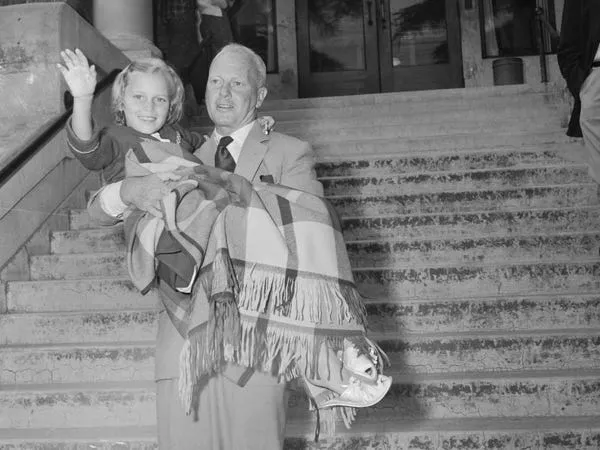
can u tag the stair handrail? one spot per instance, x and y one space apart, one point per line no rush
55 125
544 26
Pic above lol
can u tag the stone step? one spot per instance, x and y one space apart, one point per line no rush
364 254
404 280
409 353
498 433
420 130
107 239
499 107
80 363
532 433
526 277
456 97
513 116
466 225
529 103
447 396
78 405
479 313
483 351
371 252
78 328
478 140
399 314
466 200
489 179
418 226
77 295
78 266
90 438
472 395
443 99
441 161
388 253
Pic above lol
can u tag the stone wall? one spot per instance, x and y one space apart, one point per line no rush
83 7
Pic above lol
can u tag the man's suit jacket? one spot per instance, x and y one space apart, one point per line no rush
290 162
579 40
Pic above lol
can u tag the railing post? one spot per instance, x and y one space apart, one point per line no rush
539 14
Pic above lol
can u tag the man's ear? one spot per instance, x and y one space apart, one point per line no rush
260 97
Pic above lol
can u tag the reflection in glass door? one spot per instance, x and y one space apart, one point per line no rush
418 39
362 46
337 47
422 47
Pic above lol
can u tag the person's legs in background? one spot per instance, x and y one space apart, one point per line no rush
590 121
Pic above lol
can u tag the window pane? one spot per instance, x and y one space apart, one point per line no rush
253 25
510 27
336 33
419 32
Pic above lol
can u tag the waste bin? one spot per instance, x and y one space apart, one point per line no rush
508 71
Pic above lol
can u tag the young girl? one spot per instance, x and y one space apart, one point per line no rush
147 103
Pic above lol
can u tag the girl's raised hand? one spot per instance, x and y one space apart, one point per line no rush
78 74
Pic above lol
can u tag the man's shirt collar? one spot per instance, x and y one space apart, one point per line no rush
239 137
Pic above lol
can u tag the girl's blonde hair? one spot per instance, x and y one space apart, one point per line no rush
149 65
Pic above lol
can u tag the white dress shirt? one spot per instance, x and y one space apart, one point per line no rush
239 137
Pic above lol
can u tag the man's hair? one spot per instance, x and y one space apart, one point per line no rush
258 66
152 66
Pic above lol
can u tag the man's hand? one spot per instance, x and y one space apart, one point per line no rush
146 192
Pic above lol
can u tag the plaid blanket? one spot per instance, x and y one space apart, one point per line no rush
274 280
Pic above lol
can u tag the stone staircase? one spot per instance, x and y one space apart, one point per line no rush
473 239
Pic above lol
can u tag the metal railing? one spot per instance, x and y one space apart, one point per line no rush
544 28
54 126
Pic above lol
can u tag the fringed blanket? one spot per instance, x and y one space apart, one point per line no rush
274 280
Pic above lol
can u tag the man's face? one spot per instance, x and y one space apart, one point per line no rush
232 94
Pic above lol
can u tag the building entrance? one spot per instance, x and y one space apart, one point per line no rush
348 47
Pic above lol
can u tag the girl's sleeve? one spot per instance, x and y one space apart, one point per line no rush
97 153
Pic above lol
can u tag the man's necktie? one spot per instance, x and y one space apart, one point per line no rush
223 159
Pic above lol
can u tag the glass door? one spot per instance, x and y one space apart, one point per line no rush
337 47
348 47
420 45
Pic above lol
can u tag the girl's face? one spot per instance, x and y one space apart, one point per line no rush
146 102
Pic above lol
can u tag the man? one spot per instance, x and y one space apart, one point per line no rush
237 409
579 59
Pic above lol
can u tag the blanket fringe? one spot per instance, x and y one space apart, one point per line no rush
301 297
282 350
186 377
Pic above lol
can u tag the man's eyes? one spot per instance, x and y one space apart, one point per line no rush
234 83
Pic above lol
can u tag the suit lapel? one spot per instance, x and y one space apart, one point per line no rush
252 154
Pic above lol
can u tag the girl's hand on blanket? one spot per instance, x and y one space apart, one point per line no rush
145 193
78 74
